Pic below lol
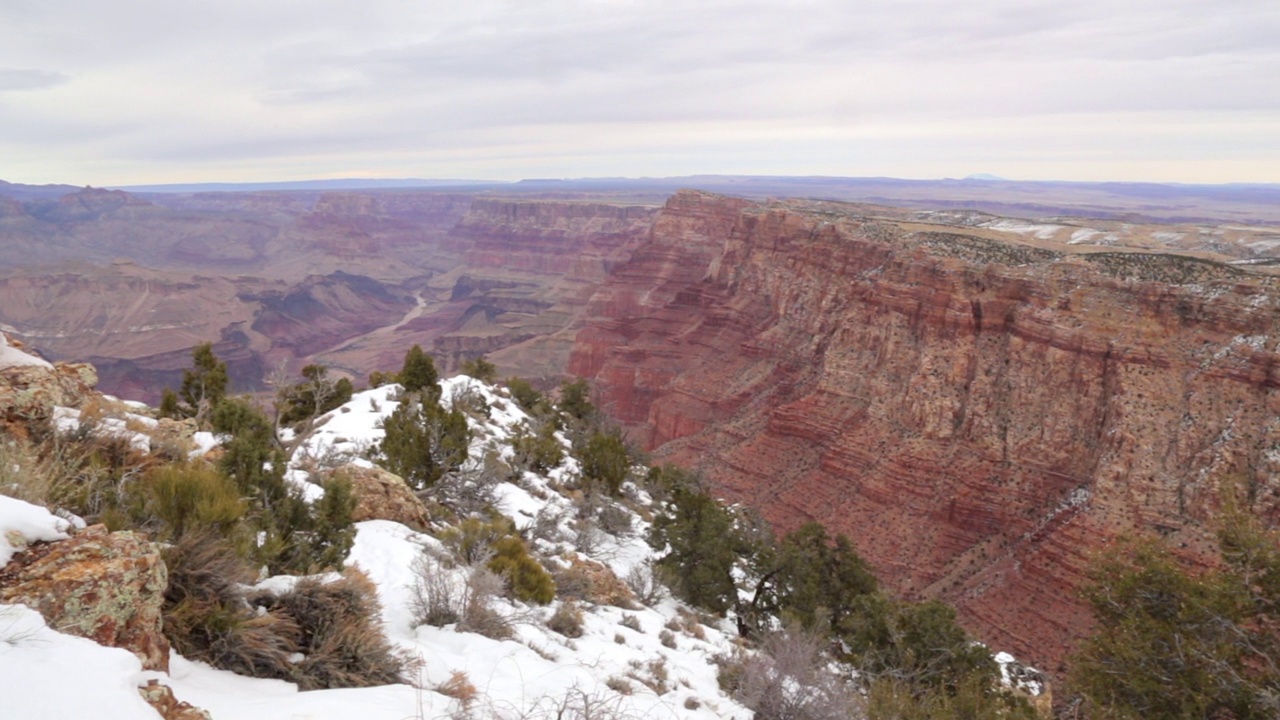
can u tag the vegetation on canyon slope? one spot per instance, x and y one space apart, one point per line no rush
805 603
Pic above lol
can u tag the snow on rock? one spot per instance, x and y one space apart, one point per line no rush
11 356
22 523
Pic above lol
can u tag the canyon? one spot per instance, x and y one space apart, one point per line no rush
981 415
981 401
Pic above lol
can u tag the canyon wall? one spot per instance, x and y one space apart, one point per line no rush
979 415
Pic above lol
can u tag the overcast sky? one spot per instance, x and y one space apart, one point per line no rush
109 92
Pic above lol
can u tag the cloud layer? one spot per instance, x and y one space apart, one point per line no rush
140 91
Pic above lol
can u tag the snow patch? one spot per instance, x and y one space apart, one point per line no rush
22 523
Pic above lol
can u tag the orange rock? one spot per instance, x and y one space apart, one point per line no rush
382 495
107 587
162 699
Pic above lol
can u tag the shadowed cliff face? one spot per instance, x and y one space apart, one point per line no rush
979 416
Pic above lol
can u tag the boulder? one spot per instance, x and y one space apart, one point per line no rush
31 390
382 495
599 584
104 586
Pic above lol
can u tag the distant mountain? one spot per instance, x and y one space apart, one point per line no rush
337 184
18 191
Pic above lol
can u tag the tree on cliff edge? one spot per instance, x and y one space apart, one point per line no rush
1172 643
203 387
419 375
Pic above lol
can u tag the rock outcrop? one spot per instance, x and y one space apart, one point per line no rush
107 587
30 387
382 495
979 415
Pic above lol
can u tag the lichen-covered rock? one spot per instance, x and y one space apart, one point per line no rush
161 698
382 495
107 587
30 390
175 434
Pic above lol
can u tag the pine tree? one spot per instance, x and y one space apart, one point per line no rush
205 384
575 401
419 375
423 442
700 543
605 461
481 369
1172 643
316 395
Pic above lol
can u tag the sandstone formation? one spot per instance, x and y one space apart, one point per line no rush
382 495
107 587
979 414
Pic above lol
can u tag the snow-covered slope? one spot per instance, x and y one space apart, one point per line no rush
653 661
616 669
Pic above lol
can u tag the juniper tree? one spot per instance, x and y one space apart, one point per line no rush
205 384
419 375
316 395
699 543
481 369
423 441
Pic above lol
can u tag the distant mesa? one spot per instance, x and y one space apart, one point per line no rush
986 176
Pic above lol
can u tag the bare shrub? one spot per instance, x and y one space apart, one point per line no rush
548 525
465 397
644 582
572 582
691 624
318 461
469 491
653 675
437 595
619 685
630 621
589 537
580 704
441 596
460 688
667 638
615 519
478 612
567 620
789 680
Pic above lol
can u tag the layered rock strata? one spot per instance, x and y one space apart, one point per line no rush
979 415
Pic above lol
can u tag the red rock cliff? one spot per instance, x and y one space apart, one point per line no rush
979 416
